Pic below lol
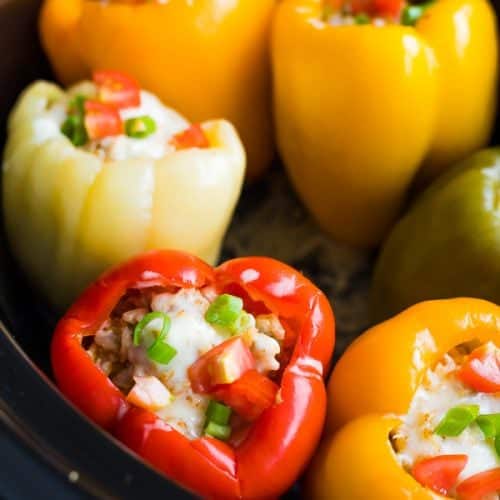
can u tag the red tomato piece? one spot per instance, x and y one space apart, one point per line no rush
388 8
223 364
478 486
192 137
117 89
439 473
249 396
102 120
481 371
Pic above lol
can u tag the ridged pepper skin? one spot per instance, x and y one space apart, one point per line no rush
373 383
207 58
69 214
447 244
362 110
279 443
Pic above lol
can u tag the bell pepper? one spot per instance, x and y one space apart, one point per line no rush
280 441
361 110
209 59
447 243
373 384
70 214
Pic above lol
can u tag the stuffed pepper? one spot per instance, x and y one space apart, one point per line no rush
103 171
213 376
370 94
447 243
415 408
208 58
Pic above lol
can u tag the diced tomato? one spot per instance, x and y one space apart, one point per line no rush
478 486
481 371
388 8
192 137
117 89
102 120
223 364
439 473
249 396
374 8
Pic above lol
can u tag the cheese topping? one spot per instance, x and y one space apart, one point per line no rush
440 391
191 336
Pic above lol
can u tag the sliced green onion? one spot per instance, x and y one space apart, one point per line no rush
149 334
140 127
457 420
489 424
412 13
218 431
218 413
362 19
161 352
74 125
224 311
497 445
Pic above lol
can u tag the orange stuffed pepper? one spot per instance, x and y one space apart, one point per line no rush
415 409
207 58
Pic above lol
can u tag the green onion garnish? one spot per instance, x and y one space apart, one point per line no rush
489 424
225 311
362 19
217 431
412 13
497 445
140 127
151 332
74 125
218 413
457 420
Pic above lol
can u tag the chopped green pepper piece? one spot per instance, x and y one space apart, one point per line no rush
457 420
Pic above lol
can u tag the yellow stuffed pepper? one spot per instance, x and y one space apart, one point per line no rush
207 58
370 94
104 171
414 409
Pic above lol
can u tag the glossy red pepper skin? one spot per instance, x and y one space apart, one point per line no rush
279 443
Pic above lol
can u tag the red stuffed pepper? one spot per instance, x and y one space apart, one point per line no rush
214 376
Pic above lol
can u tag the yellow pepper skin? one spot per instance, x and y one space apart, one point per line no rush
361 109
373 383
207 58
70 214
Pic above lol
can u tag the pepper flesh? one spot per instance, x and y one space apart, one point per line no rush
361 110
394 356
73 213
270 458
208 58
438 258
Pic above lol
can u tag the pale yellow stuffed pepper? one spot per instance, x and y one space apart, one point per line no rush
103 171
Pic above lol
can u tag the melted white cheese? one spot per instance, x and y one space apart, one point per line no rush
440 392
191 336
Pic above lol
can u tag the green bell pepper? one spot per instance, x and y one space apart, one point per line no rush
447 244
